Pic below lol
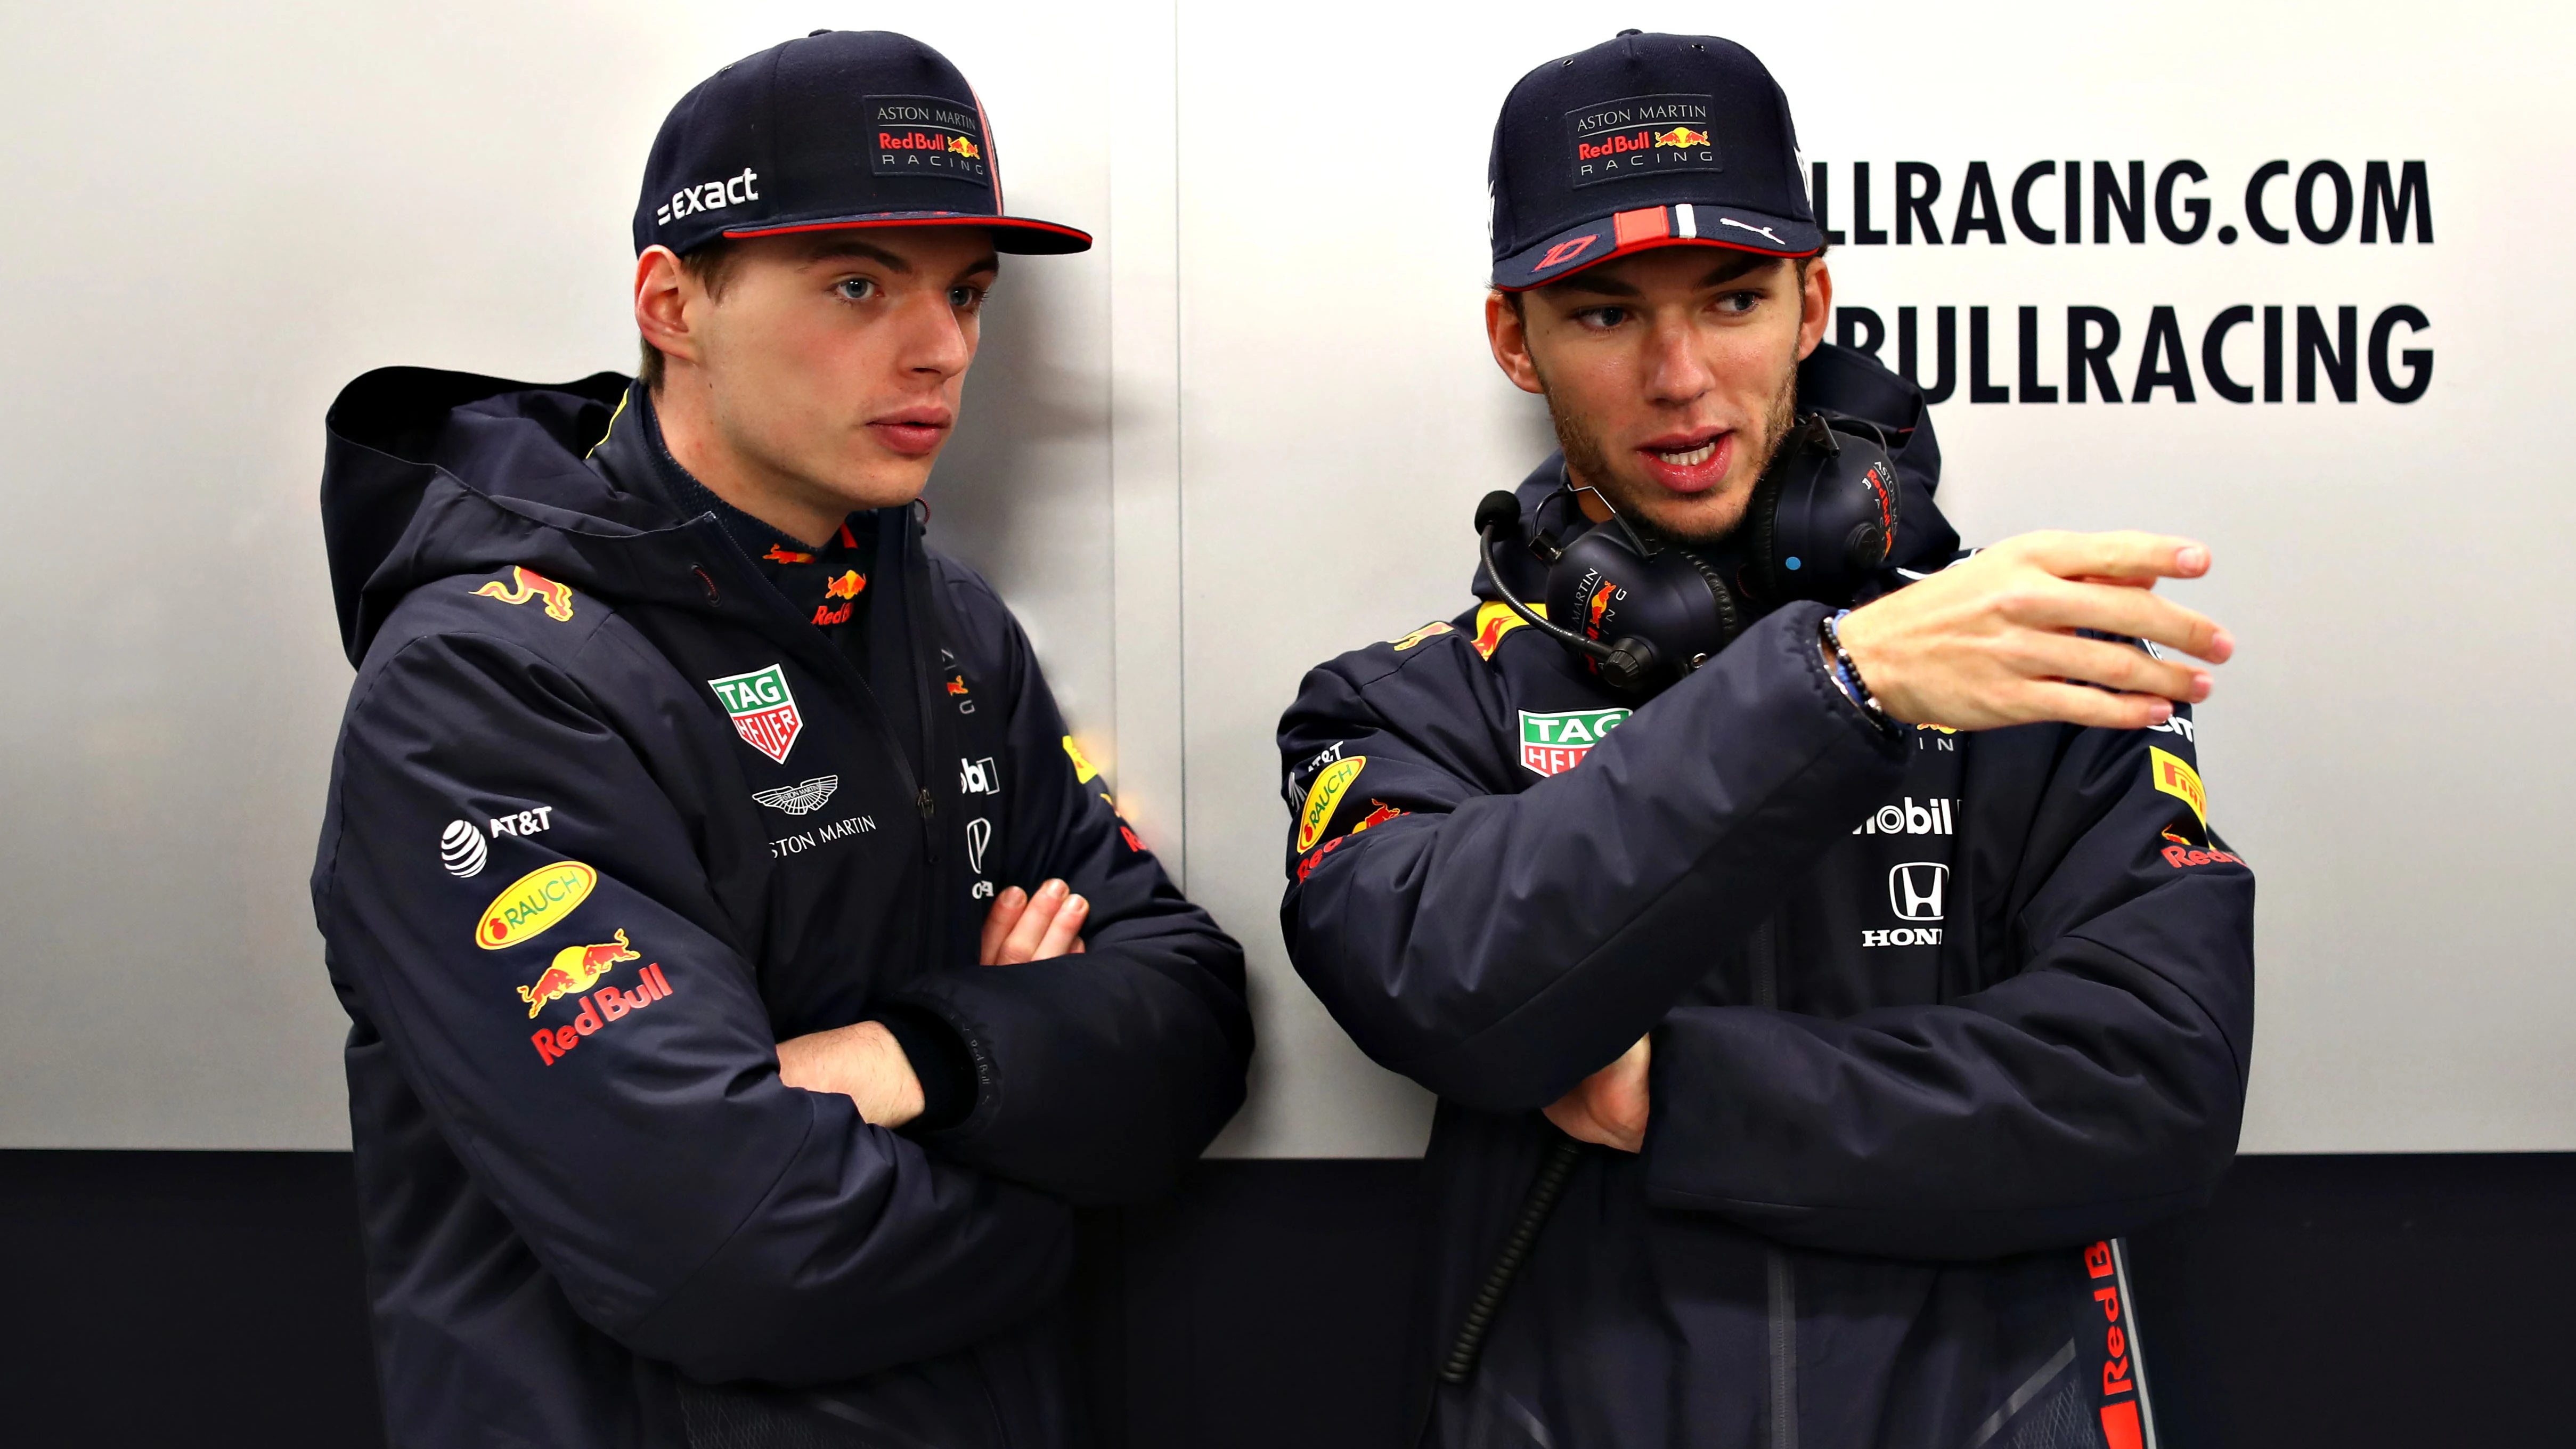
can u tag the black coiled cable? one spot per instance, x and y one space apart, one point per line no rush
1541 1201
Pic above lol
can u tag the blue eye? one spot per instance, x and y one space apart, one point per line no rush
855 289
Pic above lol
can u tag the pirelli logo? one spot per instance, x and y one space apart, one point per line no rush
2175 776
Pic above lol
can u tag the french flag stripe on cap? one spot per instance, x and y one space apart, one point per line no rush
1685 220
1646 223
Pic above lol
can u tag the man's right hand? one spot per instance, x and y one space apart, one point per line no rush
1990 641
1024 927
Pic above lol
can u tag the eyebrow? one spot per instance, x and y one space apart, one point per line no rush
1597 284
850 246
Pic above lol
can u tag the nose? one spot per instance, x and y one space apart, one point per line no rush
936 342
1676 374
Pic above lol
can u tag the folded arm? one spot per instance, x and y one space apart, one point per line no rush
610 1079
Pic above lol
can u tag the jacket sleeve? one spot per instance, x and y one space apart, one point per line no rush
1099 1076
2094 1090
1497 945
633 1128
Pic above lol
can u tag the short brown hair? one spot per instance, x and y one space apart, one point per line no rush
713 266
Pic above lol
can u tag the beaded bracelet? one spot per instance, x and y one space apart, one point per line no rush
1847 674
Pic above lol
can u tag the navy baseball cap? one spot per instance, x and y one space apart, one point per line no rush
1645 141
839 129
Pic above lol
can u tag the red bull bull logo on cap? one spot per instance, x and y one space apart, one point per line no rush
533 903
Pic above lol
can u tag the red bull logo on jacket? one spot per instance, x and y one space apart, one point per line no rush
575 970
762 708
526 584
601 1005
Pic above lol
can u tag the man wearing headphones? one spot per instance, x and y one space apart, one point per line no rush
705 1090
1816 938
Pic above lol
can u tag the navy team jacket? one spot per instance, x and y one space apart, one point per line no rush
607 821
1935 1018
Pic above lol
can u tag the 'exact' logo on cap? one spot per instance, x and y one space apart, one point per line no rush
712 196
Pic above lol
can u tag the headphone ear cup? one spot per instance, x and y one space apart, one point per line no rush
1763 517
1730 618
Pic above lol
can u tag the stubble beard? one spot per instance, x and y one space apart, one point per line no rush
1586 461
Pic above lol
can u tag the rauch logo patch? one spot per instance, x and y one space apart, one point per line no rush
1639 136
763 710
1324 799
1552 744
533 903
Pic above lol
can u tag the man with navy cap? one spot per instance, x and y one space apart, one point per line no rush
746 970
1816 936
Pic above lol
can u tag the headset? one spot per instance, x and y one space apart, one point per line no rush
1821 525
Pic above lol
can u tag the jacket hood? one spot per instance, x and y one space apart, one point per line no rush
430 474
1836 379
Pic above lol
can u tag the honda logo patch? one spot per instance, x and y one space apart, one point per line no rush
1915 889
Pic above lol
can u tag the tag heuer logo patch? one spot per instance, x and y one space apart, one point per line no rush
1552 744
764 712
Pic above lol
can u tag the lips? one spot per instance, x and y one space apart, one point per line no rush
1688 463
913 432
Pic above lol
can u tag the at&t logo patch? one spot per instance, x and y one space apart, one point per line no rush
461 849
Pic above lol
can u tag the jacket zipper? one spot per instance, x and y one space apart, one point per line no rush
1784 1350
1764 953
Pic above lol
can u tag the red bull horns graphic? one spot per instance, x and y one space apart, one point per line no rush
576 972
526 584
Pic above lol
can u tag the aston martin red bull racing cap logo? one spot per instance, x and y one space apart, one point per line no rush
927 136
1641 135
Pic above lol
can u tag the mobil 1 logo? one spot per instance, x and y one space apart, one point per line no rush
1640 135
1933 816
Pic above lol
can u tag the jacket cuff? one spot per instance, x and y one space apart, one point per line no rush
939 1060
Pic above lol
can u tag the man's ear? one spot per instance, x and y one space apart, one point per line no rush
1815 304
1508 332
664 292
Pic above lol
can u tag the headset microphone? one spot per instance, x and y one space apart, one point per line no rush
1821 525
1625 664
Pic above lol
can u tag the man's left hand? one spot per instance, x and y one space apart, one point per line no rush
1033 927
1608 1107
862 1062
